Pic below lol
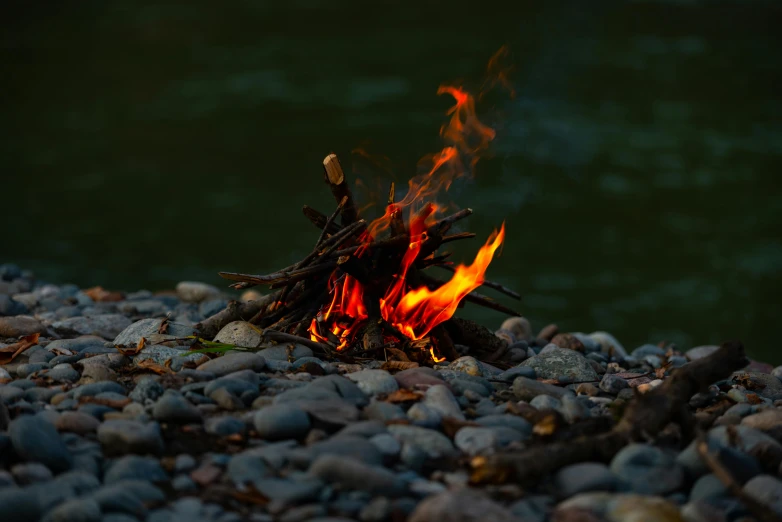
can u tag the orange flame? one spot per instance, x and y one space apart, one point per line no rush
415 311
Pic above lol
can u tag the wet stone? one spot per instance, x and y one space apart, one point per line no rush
125 436
36 440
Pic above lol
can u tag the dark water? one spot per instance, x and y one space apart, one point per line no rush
636 169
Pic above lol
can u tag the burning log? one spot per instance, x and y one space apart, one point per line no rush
349 295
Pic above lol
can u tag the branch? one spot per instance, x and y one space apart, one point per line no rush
339 187
235 311
489 284
320 220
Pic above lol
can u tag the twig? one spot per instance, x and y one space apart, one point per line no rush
457 237
319 220
758 509
335 177
444 224
235 311
329 221
274 335
472 297
278 277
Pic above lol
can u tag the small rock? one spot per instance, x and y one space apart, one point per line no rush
31 473
36 440
568 342
148 329
147 389
134 467
527 389
763 384
77 422
519 326
173 407
63 373
355 475
468 365
699 352
75 510
559 362
608 344
20 325
240 333
766 489
281 421
424 416
195 292
584 477
374 382
224 426
464 505
233 362
226 400
107 326
637 508
126 436
418 378
613 384
433 443
440 399
648 469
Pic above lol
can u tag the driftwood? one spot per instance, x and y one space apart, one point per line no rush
235 311
645 416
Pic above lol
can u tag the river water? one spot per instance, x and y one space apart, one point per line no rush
635 168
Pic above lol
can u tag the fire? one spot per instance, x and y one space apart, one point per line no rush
414 311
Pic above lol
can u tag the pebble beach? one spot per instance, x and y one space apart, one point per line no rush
106 414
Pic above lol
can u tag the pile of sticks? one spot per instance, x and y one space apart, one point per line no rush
301 290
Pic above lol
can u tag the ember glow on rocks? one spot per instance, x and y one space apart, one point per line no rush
414 309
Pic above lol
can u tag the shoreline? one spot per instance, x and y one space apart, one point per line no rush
108 415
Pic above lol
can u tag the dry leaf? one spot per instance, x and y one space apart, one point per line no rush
9 353
398 365
149 364
132 351
163 329
98 294
752 398
546 426
167 364
111 403
395 354
404 395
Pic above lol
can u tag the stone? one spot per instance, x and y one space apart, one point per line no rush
226 400
507 421
387 444
374 382
533 508
418 378
440 399
484 440
281 421
708 487
127 497
107 326
568 341
148 329
126 436
135 467
240 333
196 292
11 307
36 440
63 373
699 352
468 365
353 474
147 389
767 490
31 473
613 384
608 344
559 362
463 505
520 327
77 422
284 492
584 477
93 389
763 384
224 426
637 508
233 362
10 394
424 416
383 411
174 407
527 389
433 443
648 469
343 387
20 325
284 353
75 510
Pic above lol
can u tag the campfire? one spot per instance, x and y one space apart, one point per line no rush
366 290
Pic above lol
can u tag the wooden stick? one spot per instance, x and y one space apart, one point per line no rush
457 237
335 177
355 268
274 335
444 224
330 220
319 220
489 284
343 235
235 311
279 277
645 416
444 343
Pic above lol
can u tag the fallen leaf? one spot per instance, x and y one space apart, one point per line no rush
163 329
167 364
132 351
395 354
111 403
398 365
753 398
9 353
545 426
149 364
98 294
404 395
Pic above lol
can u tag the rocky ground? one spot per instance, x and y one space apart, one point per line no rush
93 432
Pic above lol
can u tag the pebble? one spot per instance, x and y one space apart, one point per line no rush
766 489
520 327
63 373
648 469
584 477
374 382
699 352
75 510
440 399
31 473
240 333
608 344
224 426
195 292
135 467
466 505
526 389
127 436
226 400
76 422
613 384
172 406
20 325
147 389
233 362
36 440
279 422
356 475
284 353
107 326
561 361
433 443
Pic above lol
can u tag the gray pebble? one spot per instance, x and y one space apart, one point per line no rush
126 436
30 473
135 467
174 407
75 510
353 474
374 382
648 469
36 440
147 389
613 384
224 426
233 362
584 477
281 421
